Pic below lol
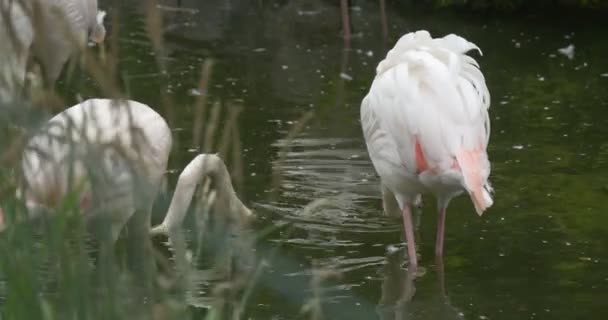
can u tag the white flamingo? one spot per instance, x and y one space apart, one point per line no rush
63 31
49 31
114 153
425 121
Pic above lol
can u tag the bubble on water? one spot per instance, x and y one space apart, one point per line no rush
391 248
194 92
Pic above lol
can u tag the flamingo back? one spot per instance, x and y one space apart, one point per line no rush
115 137
429 103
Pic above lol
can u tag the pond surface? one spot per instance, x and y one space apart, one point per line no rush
541 252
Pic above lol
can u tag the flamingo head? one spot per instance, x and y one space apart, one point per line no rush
99 31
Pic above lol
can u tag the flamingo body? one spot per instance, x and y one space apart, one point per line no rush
114 153
16 36
426 125
65 26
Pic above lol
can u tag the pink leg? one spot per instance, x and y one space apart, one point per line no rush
409 236
440 274
440 232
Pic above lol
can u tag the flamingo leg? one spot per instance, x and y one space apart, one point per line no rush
440 231
409 236
440 274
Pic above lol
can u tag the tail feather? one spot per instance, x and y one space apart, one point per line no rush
474 167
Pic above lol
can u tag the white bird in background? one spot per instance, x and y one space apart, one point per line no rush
16 36
64 30
115 154
426 124
50 32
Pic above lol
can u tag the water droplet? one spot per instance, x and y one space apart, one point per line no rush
194 92
391 248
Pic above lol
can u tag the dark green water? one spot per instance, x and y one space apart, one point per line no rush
541 252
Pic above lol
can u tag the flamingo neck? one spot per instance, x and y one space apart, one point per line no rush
201 167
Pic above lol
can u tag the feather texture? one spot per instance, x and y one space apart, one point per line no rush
425 119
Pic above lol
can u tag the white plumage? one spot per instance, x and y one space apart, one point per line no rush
16 36
114 154
65 26
49 31
425 121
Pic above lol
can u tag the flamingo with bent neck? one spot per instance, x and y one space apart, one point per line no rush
115 153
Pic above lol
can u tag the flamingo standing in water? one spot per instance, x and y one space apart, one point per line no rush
426 125
115 154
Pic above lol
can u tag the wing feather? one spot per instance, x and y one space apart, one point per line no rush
429 89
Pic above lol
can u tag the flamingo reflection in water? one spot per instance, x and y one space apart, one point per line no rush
397 300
